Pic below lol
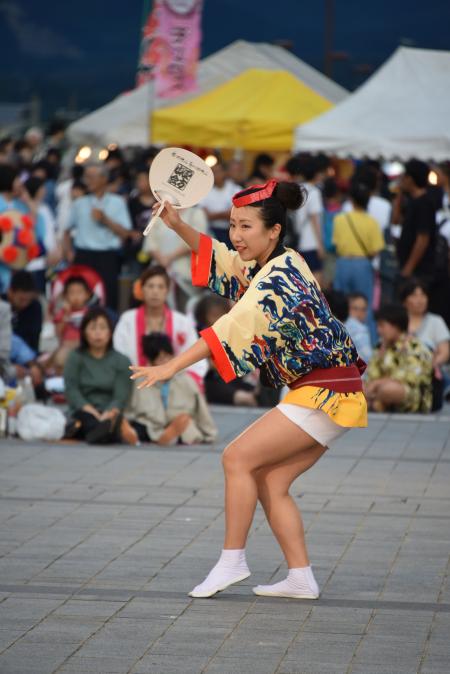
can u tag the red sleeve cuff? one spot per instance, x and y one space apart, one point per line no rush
201 262
219 356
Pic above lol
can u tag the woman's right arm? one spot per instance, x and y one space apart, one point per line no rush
171 217
213 264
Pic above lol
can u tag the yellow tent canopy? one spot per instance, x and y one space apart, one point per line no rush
257 110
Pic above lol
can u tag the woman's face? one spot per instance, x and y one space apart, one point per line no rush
98 333
417 302
155 291
248 234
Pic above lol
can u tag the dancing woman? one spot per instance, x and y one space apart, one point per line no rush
280 323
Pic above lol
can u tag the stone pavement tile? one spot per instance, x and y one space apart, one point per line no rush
170 664
299 667
155 608
400 625
23 613
201 641
262 621
289 609
220 665
63 629
39 658
322 649
99 665
389 668
345 621
441 626
395 652
98 647
89 608
8 637
257 643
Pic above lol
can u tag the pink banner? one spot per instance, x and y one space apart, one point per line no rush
171 47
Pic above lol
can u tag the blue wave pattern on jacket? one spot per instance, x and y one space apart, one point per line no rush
281 323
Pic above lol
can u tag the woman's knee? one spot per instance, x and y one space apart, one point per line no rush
234 459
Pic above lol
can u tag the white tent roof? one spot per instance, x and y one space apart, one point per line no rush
125 120
402 111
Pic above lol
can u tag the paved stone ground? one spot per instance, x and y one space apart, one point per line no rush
99 546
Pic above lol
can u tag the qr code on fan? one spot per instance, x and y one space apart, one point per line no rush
180 176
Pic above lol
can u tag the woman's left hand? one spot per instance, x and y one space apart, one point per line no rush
152 375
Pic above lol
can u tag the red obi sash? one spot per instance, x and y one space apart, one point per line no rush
346 379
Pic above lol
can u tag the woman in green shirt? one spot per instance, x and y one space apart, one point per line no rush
97 384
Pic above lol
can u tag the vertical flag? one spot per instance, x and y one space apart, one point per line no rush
171 46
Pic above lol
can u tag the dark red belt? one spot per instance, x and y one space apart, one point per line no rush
346 379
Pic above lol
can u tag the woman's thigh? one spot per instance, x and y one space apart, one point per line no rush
270 440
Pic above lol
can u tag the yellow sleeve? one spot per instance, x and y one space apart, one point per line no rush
221 269
243 340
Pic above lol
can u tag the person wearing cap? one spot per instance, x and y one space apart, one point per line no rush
282 324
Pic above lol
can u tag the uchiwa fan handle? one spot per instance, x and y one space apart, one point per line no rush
154 218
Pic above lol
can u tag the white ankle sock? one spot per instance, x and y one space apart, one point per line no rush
299 584
231 568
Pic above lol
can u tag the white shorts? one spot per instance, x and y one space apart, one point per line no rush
314 422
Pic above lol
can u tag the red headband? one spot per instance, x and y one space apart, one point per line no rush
264 192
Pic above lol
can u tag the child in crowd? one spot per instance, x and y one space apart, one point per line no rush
76 298
173 410
399 375
356 324
97 385
245 392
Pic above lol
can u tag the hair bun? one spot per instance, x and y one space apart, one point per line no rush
292 195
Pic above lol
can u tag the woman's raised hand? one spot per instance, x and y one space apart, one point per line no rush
152 375
170 216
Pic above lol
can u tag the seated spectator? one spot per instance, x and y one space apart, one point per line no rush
356 324
430 328
351 311
432 331
243 392
5 342
155 316
97 385
170 411
67 320
399 375
26 309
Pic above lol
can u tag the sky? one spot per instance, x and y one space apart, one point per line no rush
82 54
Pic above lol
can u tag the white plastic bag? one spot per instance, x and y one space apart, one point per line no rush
39 422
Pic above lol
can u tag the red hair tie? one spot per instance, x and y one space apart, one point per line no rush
264 191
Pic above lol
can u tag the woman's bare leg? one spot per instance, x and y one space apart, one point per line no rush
268 442
280 508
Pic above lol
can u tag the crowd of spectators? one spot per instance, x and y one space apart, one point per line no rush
84 294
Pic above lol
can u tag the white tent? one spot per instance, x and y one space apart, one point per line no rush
402 111
125 120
